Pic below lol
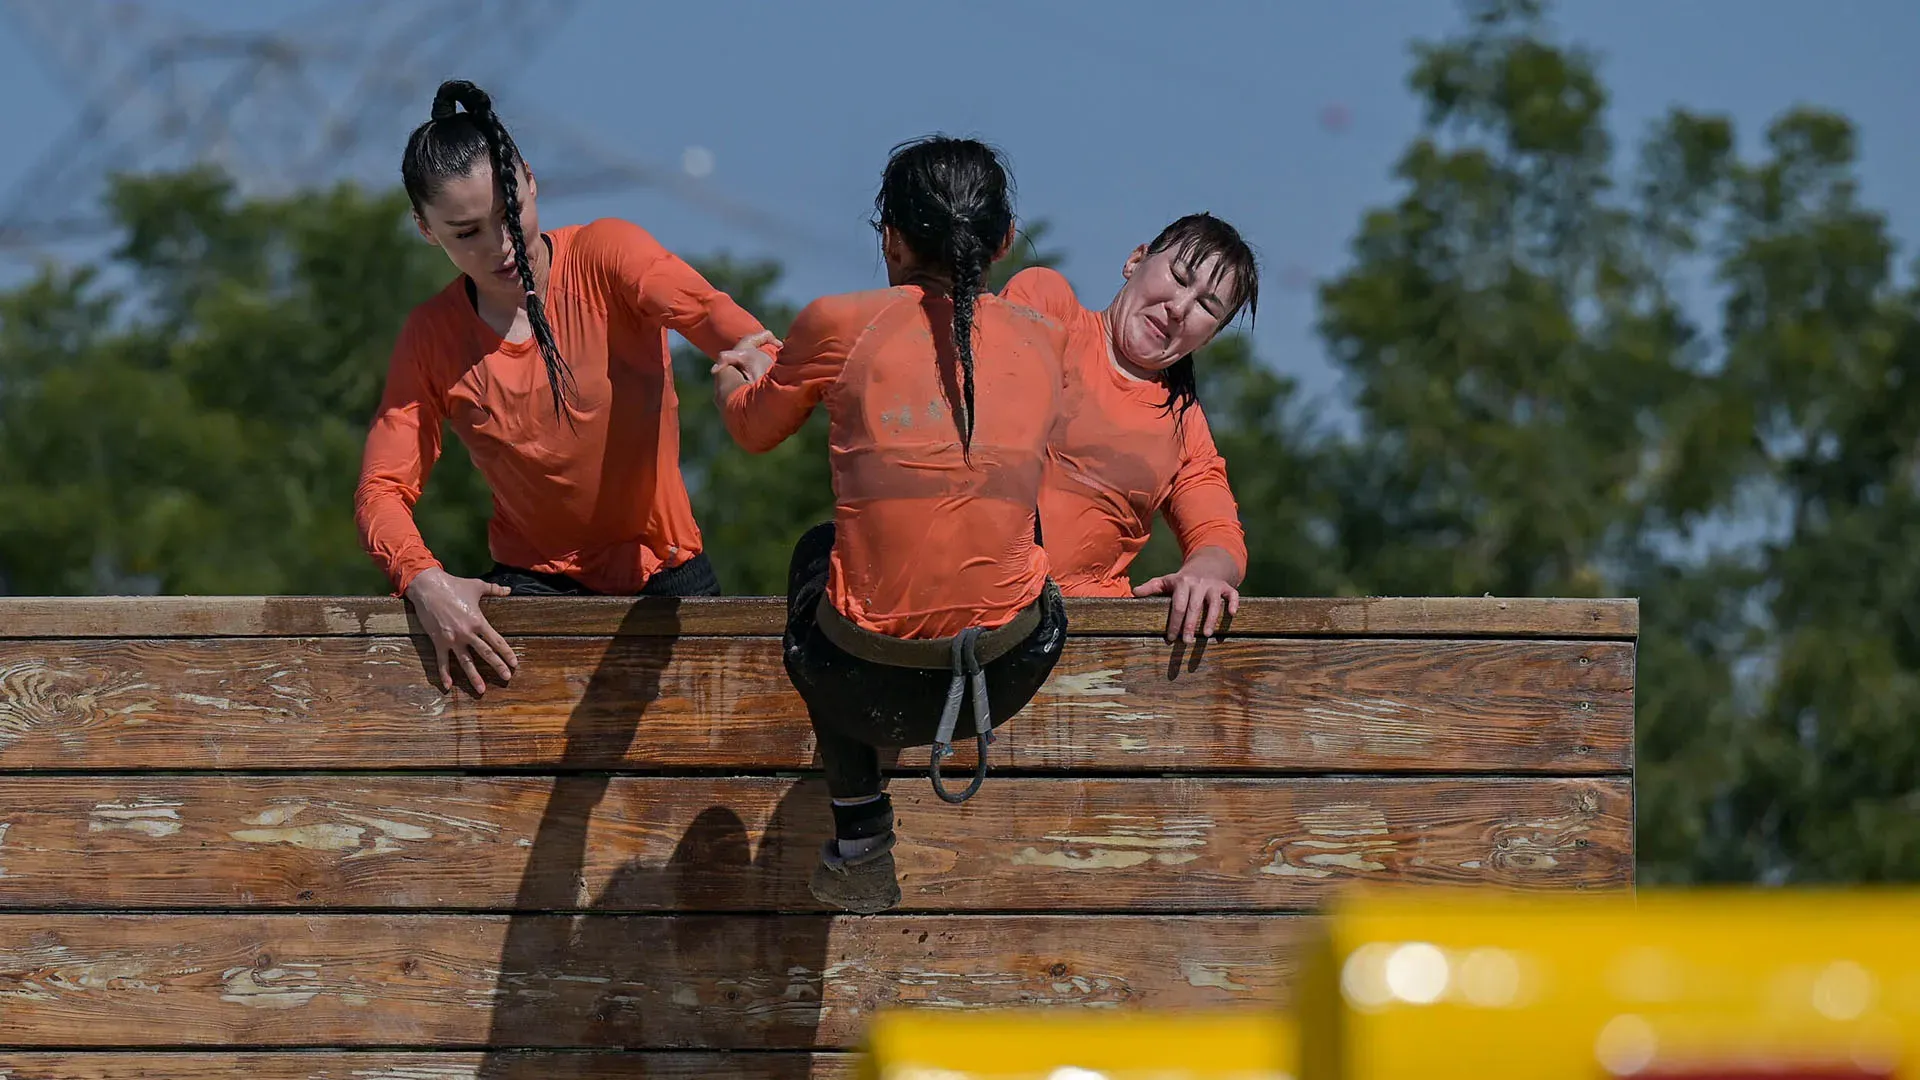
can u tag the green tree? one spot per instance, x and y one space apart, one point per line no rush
1514 353
1540 414
197 426
1813 418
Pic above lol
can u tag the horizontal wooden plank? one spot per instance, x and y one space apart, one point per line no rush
419 1065
701 844
632 981
1115 704
357 616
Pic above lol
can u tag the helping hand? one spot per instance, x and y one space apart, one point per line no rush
747 357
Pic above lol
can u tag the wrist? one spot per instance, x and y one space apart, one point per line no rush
1214 562
428 580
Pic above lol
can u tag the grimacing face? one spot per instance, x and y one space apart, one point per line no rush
467 220
1168 308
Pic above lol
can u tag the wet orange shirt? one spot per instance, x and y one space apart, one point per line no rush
1117 457
601 501
926 544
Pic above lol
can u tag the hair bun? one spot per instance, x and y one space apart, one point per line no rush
456 92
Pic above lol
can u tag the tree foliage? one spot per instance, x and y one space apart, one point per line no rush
1682 373
188 416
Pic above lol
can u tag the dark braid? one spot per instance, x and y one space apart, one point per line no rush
969 267
951 200
450 144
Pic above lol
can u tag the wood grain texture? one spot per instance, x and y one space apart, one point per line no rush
702 844
598 981
303 616
417 1065
1114 704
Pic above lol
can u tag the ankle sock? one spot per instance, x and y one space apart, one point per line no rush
861 825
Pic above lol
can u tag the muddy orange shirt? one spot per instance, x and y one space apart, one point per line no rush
602 500
927 545
1117 457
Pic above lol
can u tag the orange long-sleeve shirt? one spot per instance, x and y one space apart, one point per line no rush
602 500
926 544
1117 457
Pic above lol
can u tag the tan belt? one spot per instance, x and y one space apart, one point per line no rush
935 654
964 654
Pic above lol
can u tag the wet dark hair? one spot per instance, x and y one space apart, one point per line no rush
951 200
1195 239
452 144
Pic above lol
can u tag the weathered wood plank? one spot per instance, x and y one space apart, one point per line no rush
306 616
637 703
634 982
417 1065
700 844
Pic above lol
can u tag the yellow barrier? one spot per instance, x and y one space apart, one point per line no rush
1704 985
1032 1045
1707 983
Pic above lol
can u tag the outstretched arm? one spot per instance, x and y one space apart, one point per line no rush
402 446
764 402
1203 514
665 289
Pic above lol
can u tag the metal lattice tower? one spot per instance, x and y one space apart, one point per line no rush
326 96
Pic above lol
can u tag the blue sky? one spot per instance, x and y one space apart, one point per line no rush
1117 116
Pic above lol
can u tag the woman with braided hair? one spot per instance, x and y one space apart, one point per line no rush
548 356
929 587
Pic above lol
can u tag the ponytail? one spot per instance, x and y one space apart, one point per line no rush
951 201
450 144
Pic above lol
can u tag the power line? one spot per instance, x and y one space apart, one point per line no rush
318 99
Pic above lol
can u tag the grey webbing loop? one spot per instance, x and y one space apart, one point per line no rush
966 673
963 654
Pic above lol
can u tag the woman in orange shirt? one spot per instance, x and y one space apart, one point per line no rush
1132 439
928 584
549 358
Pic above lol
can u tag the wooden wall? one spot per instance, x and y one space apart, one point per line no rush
247 836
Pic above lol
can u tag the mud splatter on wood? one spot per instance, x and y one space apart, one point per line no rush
431 980
643 843
1498 736
156 818
1250 705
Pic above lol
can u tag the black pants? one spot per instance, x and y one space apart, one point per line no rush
695 577
857 705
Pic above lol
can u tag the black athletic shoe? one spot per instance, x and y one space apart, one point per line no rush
864 884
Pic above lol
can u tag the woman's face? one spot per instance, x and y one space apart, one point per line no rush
467 220
1168 308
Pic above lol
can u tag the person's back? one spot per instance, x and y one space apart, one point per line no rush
929 587
932 538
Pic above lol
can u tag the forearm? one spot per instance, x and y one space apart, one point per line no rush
390 537
759 415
